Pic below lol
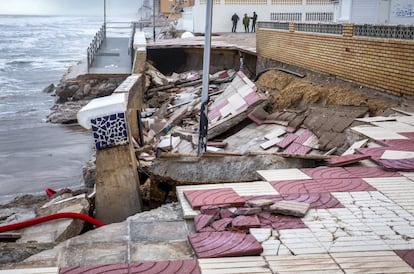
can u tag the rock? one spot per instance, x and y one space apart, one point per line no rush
49 89
89 172
292 208
57 230
66 113
156 77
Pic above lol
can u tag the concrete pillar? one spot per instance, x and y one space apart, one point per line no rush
117 184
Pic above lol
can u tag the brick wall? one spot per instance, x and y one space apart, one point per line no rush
379 63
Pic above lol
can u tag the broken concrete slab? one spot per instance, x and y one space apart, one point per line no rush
58 230
346 160
245 222
291 208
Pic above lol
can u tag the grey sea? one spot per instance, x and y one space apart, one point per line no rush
36 51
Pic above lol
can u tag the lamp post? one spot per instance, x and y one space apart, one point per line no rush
153 19
105 18
202 139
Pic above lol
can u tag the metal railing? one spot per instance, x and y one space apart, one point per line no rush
96 43
381 31
319 28
404 32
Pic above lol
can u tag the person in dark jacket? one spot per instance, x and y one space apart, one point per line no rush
235 18
246 22
254 19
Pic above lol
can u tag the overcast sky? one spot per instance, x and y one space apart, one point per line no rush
69 7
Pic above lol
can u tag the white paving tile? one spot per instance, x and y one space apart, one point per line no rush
252 188
371 262
399 189
44 270
282 174
358 144
338 230
310 263
270 247
301 241
389 221
247 264
378 133
395 126
261 234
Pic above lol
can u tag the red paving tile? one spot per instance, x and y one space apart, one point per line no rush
256 120
399 144
163 267
321 185
346 160
322 200
225 213
396 165
268 220
97 269
285 142
296 148
245 222
407 134
224 244
304 136
370 172
199 198
326 172
202 220
252 98
407 256
221 224
374 152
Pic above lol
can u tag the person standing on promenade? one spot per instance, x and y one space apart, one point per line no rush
235 18
246 22
254 19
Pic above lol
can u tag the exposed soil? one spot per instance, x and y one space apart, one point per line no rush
289 91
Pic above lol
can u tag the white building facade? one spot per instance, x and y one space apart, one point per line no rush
392 12
193 18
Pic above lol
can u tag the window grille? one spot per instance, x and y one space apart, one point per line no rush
319 2
245 2
286 16
319 17
287 2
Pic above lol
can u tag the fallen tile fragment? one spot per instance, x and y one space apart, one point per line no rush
201 221
346 160
292 208
245 222
199 198
260 202
247 211
221 224
224 244
287 140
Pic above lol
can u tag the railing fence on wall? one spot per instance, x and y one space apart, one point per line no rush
405 32
96 43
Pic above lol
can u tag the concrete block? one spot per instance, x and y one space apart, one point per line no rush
292 208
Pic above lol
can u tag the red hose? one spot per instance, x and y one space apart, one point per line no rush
50 217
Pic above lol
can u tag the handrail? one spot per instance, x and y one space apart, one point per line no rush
96 43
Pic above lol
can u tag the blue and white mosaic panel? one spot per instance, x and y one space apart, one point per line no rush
109 131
